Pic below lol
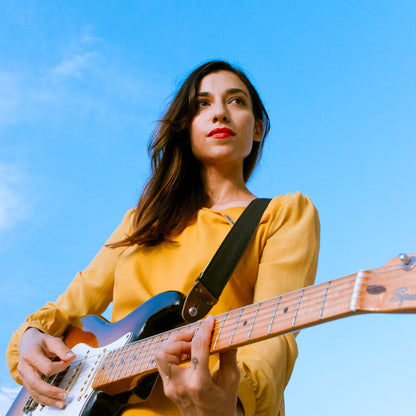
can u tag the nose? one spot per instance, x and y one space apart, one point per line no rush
220 113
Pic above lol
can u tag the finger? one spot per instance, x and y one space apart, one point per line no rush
166 371
171 353
200 345
47 401
41 391
37 349
42 363
179 336
56 348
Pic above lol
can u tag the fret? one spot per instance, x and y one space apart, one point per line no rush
281 315
131 358
157 343
254 319
102 369
274 314
219 331
128 356
356 289
137 350
235 326
114 364
145 349
151 359
121 362
109 366
297 307
324 300
198 325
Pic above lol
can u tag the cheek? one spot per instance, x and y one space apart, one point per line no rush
195 128
249 127
193 137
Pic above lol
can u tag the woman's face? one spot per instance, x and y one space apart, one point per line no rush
224 128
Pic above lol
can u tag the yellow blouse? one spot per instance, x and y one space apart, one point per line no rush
281 257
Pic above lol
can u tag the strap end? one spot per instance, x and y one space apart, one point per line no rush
198 303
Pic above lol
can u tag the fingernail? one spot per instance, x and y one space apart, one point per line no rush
70 354
59 405
62 396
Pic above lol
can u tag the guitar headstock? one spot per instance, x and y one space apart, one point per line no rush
390 288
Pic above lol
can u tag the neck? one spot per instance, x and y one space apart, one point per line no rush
387 289
225 188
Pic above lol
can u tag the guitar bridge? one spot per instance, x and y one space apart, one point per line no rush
30 406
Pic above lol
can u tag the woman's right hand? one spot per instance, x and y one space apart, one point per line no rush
43 354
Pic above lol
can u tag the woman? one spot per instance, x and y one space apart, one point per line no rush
202 154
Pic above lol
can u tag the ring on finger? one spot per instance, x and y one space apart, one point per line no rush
169 374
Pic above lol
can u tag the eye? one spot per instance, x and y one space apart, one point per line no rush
202 103
238 100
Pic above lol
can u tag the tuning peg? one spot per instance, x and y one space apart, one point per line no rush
407 262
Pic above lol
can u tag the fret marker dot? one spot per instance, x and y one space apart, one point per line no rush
134 357
286 309
245 323
112 365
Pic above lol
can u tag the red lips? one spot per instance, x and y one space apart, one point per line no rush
221 133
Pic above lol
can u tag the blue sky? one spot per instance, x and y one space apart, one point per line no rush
81 86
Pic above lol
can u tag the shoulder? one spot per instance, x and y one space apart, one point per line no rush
291 201
291 208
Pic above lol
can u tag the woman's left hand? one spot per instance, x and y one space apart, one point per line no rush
191 387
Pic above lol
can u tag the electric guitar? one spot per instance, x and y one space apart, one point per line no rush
113 360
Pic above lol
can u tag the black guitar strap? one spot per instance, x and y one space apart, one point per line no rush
211 282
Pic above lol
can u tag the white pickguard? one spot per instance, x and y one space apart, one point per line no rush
77 380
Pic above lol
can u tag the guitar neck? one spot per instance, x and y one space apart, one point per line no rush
388 289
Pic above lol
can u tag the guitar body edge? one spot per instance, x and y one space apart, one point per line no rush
160 313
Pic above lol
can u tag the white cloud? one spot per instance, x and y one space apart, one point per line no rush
7 395
88 35
33 95
13 207
76 65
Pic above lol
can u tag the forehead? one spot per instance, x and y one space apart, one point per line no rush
220 82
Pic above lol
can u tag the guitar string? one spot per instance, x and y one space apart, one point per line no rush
153 340
272 305
103 375
219 321
134 356
308 298
287 300
295 295
309 305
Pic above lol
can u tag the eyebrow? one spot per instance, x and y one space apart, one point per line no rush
228 92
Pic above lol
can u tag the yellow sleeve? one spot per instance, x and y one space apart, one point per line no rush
288 262
89 293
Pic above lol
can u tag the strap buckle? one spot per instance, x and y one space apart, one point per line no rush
198 302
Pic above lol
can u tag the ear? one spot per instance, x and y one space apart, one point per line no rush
258 130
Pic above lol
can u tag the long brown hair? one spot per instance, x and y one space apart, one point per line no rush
175 191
